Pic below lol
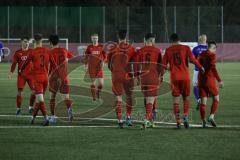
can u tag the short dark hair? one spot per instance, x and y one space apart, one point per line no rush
24 37
149 35
37 37
122 34
174 37
54 39
211 43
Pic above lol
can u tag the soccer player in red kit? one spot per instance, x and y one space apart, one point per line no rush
59 81
177 56
118 61
207 82
40 58
19 59
151 72
95 58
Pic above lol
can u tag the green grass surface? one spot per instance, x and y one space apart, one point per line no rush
112 143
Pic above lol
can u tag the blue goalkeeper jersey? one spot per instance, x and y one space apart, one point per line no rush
1 48
197 51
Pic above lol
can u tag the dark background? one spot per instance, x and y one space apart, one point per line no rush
115 18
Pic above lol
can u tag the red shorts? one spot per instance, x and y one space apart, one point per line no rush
40 83
150 85
93 73
121 84
62 86
208 89
180 87
21 81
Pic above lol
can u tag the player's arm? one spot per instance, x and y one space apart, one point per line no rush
86 57
215 72
69 55
110 60
13 66
193 60
165 61
160 67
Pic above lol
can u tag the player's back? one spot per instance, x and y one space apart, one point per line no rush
61 56
40 58
177 56
208 61
121 56
149 56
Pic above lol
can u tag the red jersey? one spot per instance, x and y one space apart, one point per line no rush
61 56
120 56
178 58
150 58
19 57
208 61
40 58
95 55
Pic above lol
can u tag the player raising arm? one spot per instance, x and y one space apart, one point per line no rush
95 57
177 56
19 58
59 81
150 59
119 58
40 58
207 82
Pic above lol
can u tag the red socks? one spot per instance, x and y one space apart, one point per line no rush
93 91
52 106
176 111
36 109
68 103
19 101
118 109
202 111
32 99
186 105
214 106
42 108
129 106
148 115
155 104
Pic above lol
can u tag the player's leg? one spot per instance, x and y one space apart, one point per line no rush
100 82
214 107
20 85
118 90
149 107
19 98
53 89
176 99
128 86
68 103
176 110
195 88
32 96
202 109
52 105
40 88
185 92
154 111
93 88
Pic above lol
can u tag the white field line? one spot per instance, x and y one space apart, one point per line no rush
109 120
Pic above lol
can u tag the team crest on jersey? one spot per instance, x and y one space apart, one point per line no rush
23 58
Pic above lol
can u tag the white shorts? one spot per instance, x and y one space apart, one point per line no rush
195 78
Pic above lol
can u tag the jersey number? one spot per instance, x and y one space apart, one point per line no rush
177 59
